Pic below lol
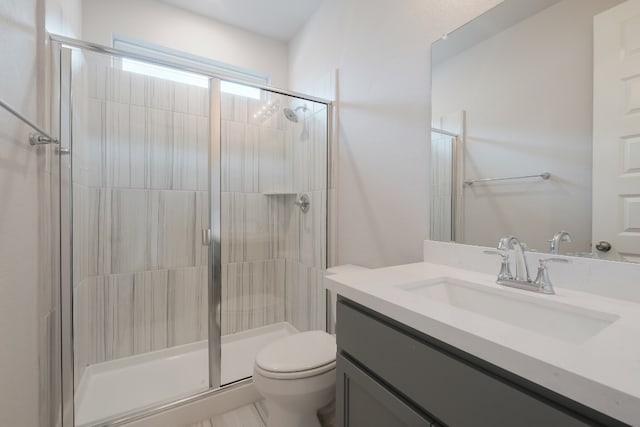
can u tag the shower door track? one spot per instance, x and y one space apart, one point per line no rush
126 419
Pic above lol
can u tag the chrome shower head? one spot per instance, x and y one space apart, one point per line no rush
291 114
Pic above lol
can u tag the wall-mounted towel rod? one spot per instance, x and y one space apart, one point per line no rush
444 132
544 175
39 138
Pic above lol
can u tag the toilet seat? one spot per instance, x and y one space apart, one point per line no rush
297 356
297 374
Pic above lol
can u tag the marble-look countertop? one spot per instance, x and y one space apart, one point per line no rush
602 372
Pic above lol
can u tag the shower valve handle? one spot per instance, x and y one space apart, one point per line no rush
303 201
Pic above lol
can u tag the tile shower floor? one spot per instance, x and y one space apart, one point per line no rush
119 386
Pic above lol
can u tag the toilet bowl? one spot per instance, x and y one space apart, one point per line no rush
297 376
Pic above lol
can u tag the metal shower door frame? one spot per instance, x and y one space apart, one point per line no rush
214 235
63 70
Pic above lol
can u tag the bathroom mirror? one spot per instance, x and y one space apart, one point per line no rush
535 124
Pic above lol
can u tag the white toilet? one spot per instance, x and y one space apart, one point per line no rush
297 376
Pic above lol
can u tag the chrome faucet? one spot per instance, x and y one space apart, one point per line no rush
522 271
560 236
521 280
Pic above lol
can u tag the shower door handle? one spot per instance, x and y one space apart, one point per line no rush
206 237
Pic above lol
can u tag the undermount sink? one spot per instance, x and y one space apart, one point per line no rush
546 317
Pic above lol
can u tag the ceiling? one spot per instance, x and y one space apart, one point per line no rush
279 19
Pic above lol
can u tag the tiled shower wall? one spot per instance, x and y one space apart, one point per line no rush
306 258
140 154
253 224
140 173
273 254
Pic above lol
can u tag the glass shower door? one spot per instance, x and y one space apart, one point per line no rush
443 192
273 159
140 187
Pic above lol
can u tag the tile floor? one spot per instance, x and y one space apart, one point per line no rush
253 415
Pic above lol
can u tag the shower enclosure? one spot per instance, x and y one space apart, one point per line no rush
442 224
446 199
193 228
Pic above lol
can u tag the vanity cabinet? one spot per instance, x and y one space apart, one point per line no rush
391 375
367 402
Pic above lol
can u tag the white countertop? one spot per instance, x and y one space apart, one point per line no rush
602 372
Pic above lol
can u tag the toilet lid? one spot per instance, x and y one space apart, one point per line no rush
298 352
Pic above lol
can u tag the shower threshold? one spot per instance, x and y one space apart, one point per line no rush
124 385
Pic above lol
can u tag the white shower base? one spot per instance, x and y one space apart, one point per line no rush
123 385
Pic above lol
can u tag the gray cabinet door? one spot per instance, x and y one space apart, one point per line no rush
456 392
363 402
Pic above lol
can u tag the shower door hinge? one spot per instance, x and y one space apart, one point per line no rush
206 237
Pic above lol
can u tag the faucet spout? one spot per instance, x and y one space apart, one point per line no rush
561 236
521 269
521 279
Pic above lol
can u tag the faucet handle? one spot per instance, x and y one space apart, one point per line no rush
542 279
505 269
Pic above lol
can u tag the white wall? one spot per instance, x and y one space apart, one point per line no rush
165 25
527 95
18 219
25 289
381 49
64 17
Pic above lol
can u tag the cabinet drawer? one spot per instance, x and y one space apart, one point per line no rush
363 402
452 390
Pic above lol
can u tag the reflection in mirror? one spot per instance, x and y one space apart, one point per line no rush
529 138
